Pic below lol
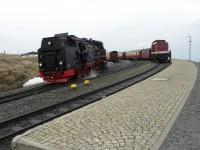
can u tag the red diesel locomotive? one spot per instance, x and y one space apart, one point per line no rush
160 51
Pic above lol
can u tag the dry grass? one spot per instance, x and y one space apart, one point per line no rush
15 71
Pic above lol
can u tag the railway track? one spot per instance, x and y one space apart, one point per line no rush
47 87
122 68
14 126
28 106
28 92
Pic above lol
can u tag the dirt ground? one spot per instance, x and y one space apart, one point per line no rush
16 70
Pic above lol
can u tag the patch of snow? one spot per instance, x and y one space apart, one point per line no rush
34 81
92 74
110 64
27 56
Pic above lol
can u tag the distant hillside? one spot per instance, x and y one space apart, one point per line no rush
16 70
29 54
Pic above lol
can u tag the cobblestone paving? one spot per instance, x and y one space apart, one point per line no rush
185 133
130 119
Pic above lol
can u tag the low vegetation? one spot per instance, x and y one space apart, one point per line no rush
16 70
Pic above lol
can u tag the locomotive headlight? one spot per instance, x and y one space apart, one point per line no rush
49 43
61 63
40 64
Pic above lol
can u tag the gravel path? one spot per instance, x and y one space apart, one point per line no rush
185 133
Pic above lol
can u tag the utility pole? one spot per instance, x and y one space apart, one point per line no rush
190 43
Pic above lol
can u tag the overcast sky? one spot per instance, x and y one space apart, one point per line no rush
120 24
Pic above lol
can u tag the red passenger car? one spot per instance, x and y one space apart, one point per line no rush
136 54
145 54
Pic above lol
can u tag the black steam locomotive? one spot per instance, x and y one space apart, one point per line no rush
64 57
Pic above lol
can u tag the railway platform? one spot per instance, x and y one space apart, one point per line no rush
138 117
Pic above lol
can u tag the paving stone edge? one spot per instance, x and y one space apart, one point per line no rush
184 98
17 140
27 144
